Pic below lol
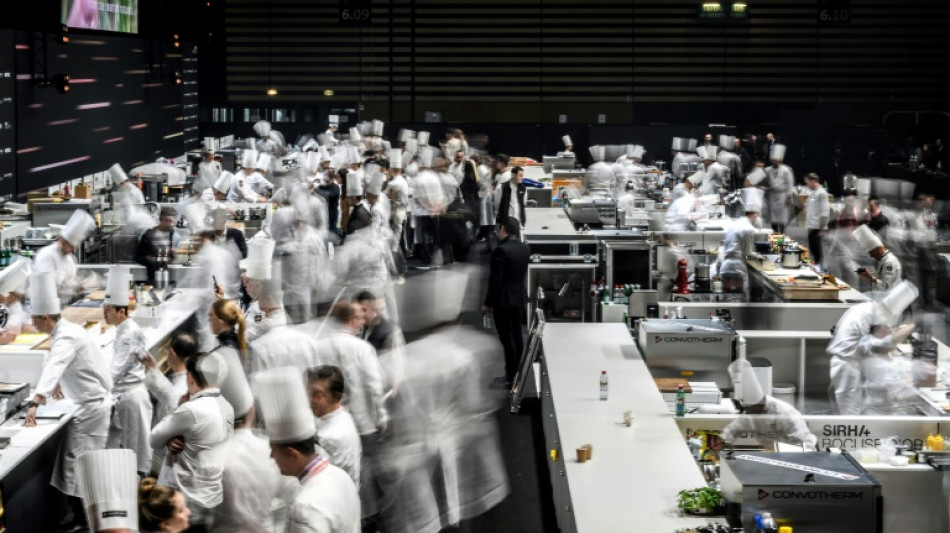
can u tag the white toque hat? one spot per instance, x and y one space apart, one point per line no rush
223 183
109 486
747 389
566 139
635 151
752 199
423 138
866 237
223 369
117 286
78 227
44 296
756 176
284 405
249 158
376 182
377 128
680 144
598 152
426 154
707 153
727 142
898 299
697 178
311 144
264 161
395 158
355 135
353 155
14 278
260 258
405 135
262 128
117 174
777 153
691 144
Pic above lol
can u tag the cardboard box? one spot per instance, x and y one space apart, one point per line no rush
82 191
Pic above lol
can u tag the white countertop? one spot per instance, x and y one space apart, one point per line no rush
25 440
636 472
548 221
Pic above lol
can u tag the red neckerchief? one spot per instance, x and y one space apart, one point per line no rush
314 467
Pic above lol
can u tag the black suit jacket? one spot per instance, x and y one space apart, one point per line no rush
147 252
237 237
507 277
505 204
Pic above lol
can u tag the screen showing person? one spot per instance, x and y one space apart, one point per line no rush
107 15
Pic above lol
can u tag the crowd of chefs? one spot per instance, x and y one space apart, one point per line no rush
298 331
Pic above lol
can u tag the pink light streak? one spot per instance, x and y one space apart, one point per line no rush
138 126
21 77
35 106
104 128
113 140
61 122
82 80
60 164
96 105
22 47
132 102
30 149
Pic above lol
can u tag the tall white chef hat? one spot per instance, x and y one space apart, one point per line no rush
353 155
898 299
108 484
747 389
260 258
377 128
249 158
324 154
756 176
376 182
691 144
426 155
250 143
727 142
117 286
752 199
14 277
117 174
777 153
223 183
635 151
696 179
262 128
422 138
395 158
78 227
338 160
866 237
405 135
323 139
355 136
277 138
311 144
566 139
598 152
44 298
613 151
195 214
312 161
707 153
680 144
264 161
284 405
411 146
222 369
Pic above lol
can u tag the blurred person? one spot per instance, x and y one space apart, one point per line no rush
208 172
301 257
816 216
847 380
485 203
781 184
59 257
126 193
258 181
262 286
161 508
568 146
685 207
283 346
875 217
714 176
335 429
429 204
731 161
132 412
214 196
168 390
330 134
766 419
240 190
227 236
512 199
922 232
329 189
108 485
888 271
745 156
74 369
397 190
384 334
738 245
224 366
162 237
885 392
507 295
13 286
707 140
194 434
327 499
682 157
599 177
457 166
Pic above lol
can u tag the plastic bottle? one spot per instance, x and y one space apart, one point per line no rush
930 442
938 443
624 319
680 401
603 385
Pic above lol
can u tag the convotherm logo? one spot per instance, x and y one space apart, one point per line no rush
658 339
763 494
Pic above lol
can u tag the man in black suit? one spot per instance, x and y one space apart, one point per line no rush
507 207
507 295
223 235
161 236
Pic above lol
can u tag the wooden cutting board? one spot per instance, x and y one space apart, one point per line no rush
672 384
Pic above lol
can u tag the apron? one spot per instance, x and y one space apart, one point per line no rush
131 424
847 385
86 431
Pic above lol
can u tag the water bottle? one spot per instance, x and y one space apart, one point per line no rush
603 385
486 321
680 401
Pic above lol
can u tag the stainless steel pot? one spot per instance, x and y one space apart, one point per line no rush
791 257
257 213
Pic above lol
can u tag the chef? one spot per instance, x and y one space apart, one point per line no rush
714 178
766 419
888 272
816 215
599 175
223 367
208 172
75 366
330 134
268 142
126 194
266 310
328 500
336 431
13 280
397 190
685 207
213 196
132 416
738 244
781 182
195 433
59 257
257 181
682 157
109 488
167 391
847 381
240 190
731 161
568 147
380 208
885 393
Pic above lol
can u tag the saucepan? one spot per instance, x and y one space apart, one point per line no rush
791 257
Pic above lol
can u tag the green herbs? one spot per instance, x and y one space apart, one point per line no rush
701 498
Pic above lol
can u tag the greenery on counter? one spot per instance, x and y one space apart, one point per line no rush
701 498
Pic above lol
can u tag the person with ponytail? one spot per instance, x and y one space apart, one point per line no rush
225 365
161 509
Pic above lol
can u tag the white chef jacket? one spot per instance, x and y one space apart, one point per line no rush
327 503
681 212
450 186
258 322
127 350
599 176
779 423
166 393
457 170
845 366
250 482
132 418
206 421
283 346
889 272
816 209
398 187
241 190
51 258
128 195
428 196
259 184
357 360
208 173
234 388
514 210
713 180
337 434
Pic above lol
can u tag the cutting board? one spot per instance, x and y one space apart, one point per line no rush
672 384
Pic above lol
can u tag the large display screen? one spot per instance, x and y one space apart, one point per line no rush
106 15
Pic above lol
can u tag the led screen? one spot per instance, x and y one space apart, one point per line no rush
106 15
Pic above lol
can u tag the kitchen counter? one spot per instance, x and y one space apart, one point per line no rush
777 282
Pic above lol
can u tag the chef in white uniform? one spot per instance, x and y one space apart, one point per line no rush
336 430
109 488
397 190
714 178
266 309
885 392
765 419
328 500
132 416
685 207
258 181
780 188
738 244
888 272
13 282
126 194
195 433
599 175
847 381
730 161
213 197
167 391
568 147
240 190
682 157
75 366
59 257
208 172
